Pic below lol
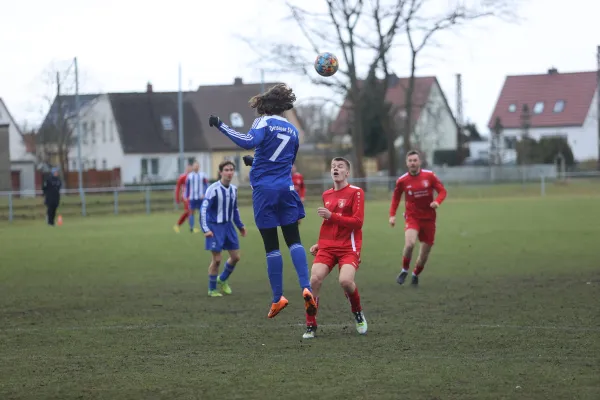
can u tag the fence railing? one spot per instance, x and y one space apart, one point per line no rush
151 199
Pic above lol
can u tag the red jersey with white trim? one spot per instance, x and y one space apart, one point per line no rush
299 187
419 194
180 187
343 231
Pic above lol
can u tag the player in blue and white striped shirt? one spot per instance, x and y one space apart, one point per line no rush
196 184
219 213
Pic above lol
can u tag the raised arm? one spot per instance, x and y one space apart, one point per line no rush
355 221
245 140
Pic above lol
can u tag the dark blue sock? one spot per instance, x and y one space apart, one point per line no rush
212 282
191 220
299 259
275 271
227 271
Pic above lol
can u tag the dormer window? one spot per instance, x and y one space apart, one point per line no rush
559 106
538 108
167 123
512 108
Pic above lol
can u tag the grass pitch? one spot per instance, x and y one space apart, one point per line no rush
115 307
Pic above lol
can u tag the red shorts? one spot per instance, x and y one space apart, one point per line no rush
339 257
425 227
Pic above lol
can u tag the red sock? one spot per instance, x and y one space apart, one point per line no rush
354 300
183 217
312 320
405 263
418 269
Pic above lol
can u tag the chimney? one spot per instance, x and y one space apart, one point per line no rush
238 81
149 87
552 71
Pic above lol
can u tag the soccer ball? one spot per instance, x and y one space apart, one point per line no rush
326 64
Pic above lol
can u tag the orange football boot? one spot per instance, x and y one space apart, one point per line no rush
277 307
309 303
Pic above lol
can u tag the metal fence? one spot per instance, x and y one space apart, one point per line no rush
152 199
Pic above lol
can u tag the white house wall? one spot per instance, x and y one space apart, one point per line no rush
582 139
168 166
101 148
16 147
436 128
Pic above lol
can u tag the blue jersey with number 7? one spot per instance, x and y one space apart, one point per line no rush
276 142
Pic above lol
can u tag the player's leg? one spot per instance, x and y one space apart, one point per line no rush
185 215
213 271
411 234
289 211
231 244
348 267
427 238
265 216
319 271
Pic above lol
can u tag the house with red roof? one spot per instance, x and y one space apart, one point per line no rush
551 105
433 124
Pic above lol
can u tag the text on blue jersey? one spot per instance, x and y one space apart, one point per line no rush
220 206
276 143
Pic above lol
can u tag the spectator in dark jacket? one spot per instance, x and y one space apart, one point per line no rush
51 188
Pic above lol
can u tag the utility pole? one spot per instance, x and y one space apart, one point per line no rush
459 119
78 132
598 99
180 125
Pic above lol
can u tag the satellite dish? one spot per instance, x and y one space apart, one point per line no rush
236 120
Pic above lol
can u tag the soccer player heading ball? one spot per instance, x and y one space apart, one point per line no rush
420 215
274 199
340 241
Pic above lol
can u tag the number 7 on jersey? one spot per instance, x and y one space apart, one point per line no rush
284 140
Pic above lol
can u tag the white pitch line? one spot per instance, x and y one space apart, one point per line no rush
240 326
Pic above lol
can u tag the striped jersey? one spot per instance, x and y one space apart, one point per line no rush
220 206
195 185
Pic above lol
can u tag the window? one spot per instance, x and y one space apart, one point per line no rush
84 128
74 165
191 160
144 167
93 131
167 123
236 120
154 166
94 164
112 131
104 164
538 108
103 131
559 106
512 108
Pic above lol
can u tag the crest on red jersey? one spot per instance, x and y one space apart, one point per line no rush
341 203
426 183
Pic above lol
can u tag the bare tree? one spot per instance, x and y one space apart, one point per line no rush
348 25
316 119
422 26
57 135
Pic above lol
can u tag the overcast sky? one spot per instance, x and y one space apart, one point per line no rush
121 45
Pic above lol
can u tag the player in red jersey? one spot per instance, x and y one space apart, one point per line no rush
420 215
298 181
180 197
340 242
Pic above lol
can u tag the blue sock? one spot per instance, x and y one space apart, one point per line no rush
227 271
275 271
299 259
191 220
212 282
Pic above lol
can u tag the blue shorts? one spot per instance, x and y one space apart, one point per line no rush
276 207
195 204
224 237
